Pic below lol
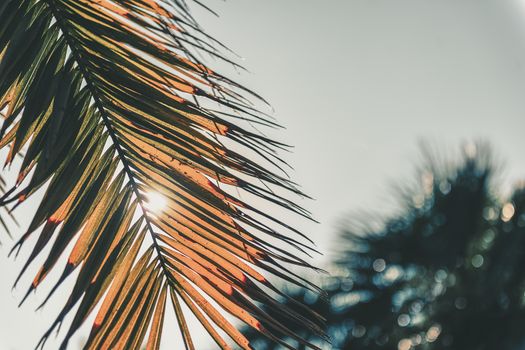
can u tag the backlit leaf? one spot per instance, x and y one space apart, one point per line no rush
107 104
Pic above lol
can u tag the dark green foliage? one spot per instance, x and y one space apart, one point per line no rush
447 272
4 214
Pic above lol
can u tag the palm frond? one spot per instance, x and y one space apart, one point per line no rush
110 104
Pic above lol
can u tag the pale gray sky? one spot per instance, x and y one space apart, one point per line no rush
357 83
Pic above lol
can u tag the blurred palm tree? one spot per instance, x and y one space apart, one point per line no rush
446 272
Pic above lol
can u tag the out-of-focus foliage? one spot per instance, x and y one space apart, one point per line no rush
446 272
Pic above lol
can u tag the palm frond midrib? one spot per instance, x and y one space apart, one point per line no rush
109 128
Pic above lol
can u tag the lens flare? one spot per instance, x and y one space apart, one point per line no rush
155 202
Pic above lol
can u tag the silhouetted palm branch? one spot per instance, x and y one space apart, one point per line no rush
110 104
5 213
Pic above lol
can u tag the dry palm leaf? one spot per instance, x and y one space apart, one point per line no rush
108 101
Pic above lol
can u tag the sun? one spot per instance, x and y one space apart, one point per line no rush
155 202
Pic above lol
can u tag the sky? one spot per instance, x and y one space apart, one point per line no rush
358 84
